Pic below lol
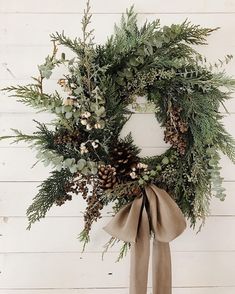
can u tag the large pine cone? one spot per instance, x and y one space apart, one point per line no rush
107 176
123 158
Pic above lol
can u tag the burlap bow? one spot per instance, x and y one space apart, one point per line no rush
157 211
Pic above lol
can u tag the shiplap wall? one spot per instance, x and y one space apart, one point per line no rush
48 259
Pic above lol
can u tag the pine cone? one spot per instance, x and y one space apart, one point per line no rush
123 158
93 209
65 137
107 176
62 199
175 130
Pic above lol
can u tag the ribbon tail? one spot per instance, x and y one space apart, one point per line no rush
161 268
140 252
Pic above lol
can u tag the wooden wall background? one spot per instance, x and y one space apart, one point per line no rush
48 259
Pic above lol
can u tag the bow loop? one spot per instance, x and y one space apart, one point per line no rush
166 219
124 225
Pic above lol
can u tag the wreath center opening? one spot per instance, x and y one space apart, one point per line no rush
145 130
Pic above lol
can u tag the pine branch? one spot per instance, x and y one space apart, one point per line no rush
86 20
226 143
123 251
43 137
51 189
84 238
78 45
75 45
187 32
31 95
19 136
108 245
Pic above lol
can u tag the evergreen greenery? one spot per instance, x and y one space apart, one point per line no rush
50 190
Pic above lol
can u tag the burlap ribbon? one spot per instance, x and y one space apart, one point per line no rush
157 211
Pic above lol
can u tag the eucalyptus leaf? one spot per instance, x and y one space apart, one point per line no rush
73 169
94 170
68 115
100 111
69 162
78 91
165 160
85 170
81 164
134 61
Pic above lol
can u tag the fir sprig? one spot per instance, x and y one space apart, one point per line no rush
31 95
49 190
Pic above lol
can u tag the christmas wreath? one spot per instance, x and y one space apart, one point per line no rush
101 86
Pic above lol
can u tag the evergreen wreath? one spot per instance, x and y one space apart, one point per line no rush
101 82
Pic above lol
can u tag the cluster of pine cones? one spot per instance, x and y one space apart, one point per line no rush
175 130
93 208
75 186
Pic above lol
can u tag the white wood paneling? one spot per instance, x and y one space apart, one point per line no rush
72 270
63 232
46 260
200 290
106 6
13 158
